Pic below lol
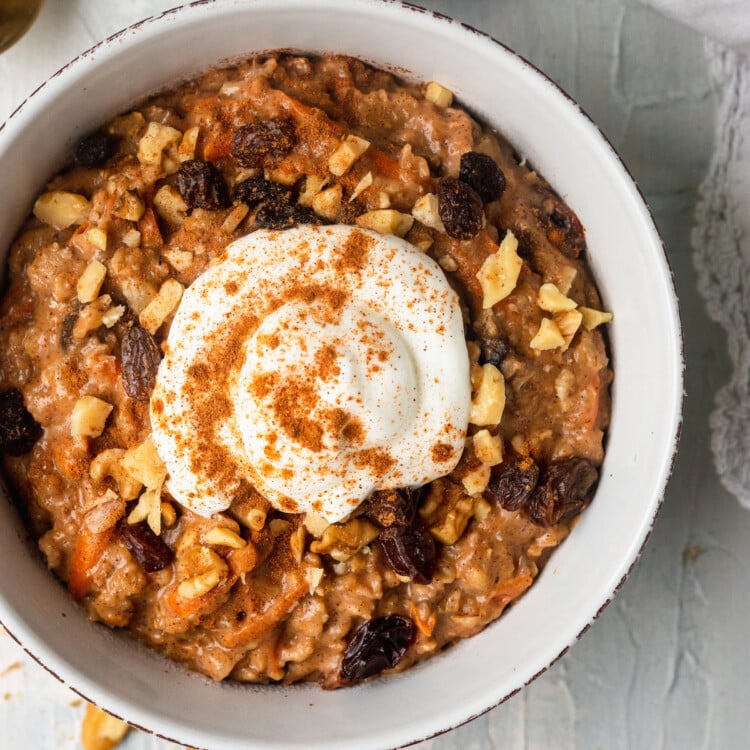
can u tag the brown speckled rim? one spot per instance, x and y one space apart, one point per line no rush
440 17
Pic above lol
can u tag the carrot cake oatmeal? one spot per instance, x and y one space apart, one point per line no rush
301 374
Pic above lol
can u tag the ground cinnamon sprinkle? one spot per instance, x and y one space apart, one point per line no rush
377 460
353 431
355 253
293 406
264 383
208 390
441 452
332 299
326 363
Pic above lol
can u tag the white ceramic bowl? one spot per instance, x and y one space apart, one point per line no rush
629 263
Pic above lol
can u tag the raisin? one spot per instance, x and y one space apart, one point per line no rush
201 185
150 551
305 215
460 208
513 481
564 489
255 190
66 330
480 172
377 645
140 361
18 429
253 144
281 214
393 507
410 551
94 149
565 231
493 350
276 214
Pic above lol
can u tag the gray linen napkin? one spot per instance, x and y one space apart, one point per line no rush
721 236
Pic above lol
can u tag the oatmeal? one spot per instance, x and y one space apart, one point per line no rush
302 372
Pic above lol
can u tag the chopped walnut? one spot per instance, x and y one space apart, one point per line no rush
593 318
343 541
348 151
161 306
108 463
89 416
499 273
100 730
208 570
489 401
438 94
547 337
386 221
551 299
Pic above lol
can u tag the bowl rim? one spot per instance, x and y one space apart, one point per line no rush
131 31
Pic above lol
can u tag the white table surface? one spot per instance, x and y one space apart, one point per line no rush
666 665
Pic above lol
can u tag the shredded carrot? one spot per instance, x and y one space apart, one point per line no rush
260 622
89 548
182 607
425 624
506 591
383 163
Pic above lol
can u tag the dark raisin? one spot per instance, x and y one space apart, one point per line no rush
565 231
480 172
94 149
201 185
512 482
255 190
460 208
393 507
377 645
560 218
150 551
410 551
140 361
66 330
305 215
276 214
493 350
253 144
18 429
564 489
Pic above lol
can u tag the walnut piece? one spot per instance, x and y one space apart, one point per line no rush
61 209
348 151
499 273
100 730
386 221
438 94
89 416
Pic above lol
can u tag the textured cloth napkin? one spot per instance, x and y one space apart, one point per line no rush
721 236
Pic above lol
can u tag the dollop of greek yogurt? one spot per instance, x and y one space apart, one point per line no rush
315 364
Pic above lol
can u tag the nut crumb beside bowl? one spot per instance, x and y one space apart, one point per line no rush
623 253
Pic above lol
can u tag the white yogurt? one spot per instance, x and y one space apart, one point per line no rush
316 364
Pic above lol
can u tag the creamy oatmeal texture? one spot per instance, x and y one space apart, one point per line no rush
302 374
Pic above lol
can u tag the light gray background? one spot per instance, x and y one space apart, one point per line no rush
666 664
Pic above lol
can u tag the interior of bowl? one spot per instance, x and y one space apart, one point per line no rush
628 261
